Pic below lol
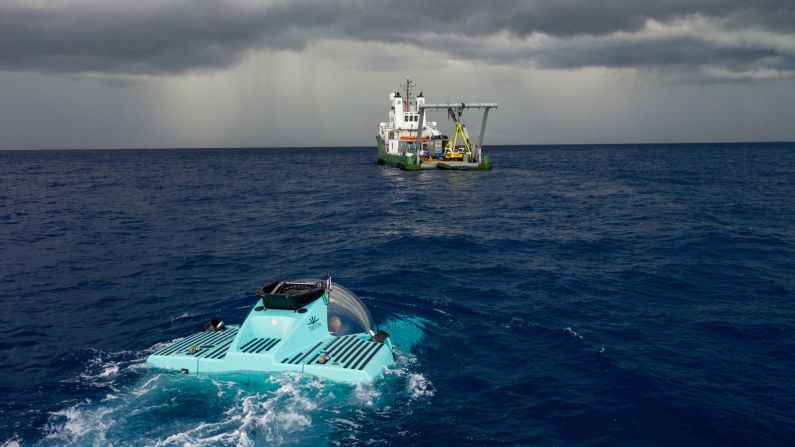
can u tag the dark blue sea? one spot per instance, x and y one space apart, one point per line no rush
632 295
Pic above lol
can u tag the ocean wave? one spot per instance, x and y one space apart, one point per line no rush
674 263
13 441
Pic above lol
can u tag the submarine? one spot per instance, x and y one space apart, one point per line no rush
316 327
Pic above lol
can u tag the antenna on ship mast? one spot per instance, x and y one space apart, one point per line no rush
408 85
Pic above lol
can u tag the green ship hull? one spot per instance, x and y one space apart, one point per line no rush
408 163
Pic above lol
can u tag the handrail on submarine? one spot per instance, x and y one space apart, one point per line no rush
452 108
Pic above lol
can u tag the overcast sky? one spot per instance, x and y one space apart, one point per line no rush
251 73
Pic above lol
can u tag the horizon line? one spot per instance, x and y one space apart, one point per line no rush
178 148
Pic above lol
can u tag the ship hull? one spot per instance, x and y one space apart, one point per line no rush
410 163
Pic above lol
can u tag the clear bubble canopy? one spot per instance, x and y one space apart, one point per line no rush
346 312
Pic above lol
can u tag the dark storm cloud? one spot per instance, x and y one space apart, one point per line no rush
169 38
666 52
159 37
573 17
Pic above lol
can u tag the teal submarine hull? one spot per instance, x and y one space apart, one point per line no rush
290 328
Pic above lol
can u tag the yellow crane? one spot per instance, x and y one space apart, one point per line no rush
451 150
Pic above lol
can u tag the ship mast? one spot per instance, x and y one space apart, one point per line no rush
409 86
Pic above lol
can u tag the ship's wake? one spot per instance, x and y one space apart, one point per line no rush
141 406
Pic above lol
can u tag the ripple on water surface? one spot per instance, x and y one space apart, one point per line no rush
590 295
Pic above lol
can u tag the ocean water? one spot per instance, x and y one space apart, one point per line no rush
595 295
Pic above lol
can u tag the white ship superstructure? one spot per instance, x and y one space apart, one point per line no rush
400 132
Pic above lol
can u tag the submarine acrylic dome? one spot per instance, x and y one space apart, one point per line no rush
310 326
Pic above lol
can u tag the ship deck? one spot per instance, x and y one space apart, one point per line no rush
211 345
350 358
